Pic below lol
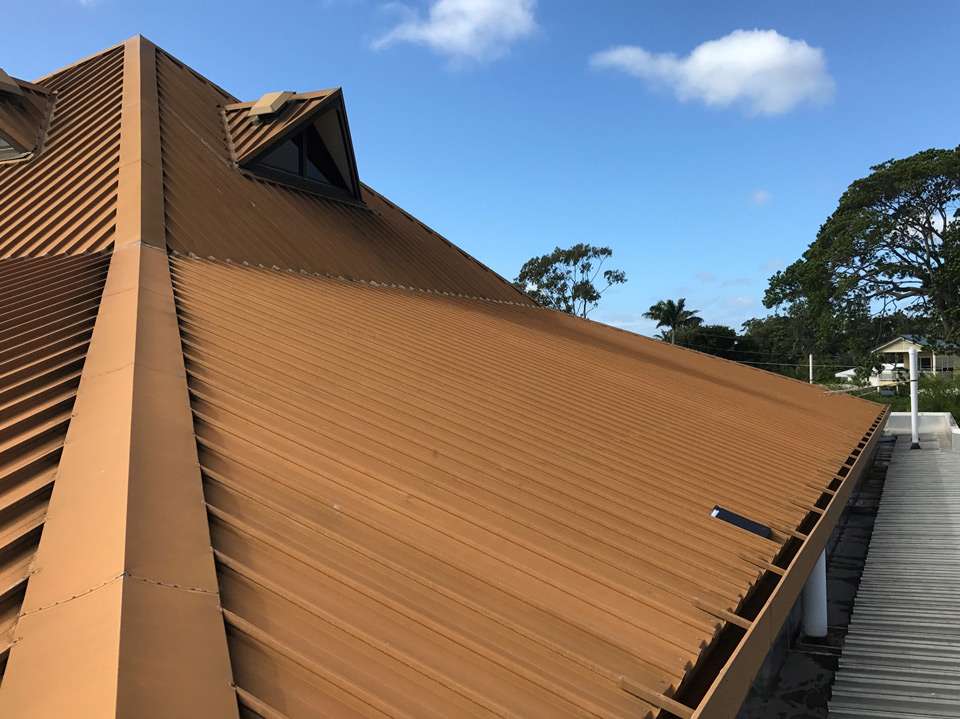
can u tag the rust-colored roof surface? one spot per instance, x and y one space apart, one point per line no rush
264 223
428 506
63 200
425 495
247 136
47 310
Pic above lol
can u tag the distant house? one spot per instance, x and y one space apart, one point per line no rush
935 355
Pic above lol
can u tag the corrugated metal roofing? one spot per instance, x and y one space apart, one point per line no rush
247 137
47 311
63 199
426 496
900 656
425 505
214 210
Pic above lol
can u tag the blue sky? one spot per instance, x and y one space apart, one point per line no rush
705 157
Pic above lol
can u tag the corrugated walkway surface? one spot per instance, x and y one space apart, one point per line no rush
901 656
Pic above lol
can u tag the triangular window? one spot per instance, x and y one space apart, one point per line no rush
304 142
305 156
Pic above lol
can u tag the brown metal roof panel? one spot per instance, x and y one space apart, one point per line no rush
42 301
214 209
62 199
414 477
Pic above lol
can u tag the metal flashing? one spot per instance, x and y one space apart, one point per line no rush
121 617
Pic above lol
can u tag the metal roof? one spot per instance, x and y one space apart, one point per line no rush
425 495
516 500
900 655
920 341
64 199
264 223
48 306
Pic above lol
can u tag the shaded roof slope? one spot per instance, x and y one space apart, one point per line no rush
48 307
214 210
63 199
429 506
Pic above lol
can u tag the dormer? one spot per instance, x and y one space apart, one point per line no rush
297 139
24 109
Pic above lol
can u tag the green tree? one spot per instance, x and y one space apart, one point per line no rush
566 279
718 340
673 315
893 242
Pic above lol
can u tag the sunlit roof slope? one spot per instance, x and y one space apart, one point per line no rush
313 460
423 505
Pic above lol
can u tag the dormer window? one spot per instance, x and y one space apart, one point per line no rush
298 140
24 110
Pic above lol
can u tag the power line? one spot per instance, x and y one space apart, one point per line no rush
681 343
768 354
790 364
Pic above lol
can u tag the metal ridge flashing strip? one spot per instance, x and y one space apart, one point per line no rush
122 616
726 692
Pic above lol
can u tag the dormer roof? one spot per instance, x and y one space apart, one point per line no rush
301 139
24 112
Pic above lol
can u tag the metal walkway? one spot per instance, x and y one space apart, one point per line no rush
901 655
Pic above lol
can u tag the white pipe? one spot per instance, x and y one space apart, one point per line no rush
815 600
914 400
811 368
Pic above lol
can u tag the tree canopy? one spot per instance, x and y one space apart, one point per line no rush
718 340
566 279
893 243
674 316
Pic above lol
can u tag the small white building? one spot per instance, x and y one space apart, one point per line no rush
935 356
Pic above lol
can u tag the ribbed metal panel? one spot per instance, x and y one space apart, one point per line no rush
429 506
47 310
901 656
63 200
212 209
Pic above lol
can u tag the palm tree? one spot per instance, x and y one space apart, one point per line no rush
674 315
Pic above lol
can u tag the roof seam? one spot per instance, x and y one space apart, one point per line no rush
356 280
113 580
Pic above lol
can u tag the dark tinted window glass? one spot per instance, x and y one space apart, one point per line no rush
285 158
318 164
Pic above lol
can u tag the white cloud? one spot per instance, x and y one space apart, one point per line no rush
760 197
466 29
762 70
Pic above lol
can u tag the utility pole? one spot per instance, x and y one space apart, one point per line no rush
914 400
811 368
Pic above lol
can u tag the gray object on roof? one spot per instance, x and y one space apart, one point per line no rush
901 656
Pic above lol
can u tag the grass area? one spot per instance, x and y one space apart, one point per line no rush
937 394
